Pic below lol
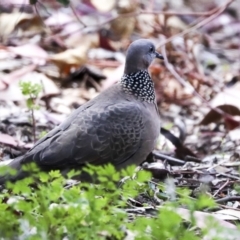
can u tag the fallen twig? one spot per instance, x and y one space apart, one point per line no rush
168 158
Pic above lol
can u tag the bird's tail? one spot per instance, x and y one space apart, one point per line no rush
15 165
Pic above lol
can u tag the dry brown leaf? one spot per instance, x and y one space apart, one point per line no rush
33 51
226 230
18 20
229 102
202 218
228 214
214 117
122 27
33 24
234 134
73 57
9 140
103 5
145 23
49 87
2 85
172 88
221 169
173 22
77 56
13 92
58 18
15 76
8 22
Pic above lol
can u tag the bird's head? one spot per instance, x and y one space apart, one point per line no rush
140 55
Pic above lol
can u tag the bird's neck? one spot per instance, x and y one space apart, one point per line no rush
139 84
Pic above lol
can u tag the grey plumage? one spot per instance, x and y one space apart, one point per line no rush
119 126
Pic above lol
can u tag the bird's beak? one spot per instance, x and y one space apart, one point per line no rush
158 55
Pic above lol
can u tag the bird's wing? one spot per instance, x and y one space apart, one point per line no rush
109 134
64 125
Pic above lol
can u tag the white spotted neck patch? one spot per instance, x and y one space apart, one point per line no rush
140 85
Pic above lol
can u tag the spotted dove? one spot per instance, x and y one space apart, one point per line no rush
119 126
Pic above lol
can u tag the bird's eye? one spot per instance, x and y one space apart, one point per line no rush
151 49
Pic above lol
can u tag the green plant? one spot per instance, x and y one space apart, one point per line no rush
43 206
31 90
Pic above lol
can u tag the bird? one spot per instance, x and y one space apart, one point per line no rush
120 126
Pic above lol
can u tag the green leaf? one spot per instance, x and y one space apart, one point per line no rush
64 2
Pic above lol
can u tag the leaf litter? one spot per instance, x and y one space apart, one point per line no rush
197 86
